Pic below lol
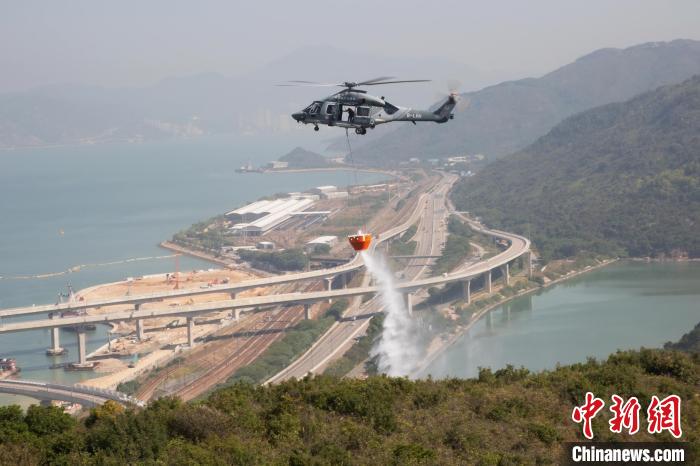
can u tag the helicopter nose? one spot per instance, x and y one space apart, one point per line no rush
299 116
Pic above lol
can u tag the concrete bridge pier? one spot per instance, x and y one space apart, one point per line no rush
140 331
489 320
487 282
307 311
329 286
233 295
467 291
190 332
82 352
55 349
506 274
82 358
237 314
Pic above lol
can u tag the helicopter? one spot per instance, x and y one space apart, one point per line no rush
365 110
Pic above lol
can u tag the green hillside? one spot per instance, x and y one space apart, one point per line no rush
302 158
690 342
507 417
504 118
619 179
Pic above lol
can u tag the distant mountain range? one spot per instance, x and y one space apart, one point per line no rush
210 103
499 120
623 179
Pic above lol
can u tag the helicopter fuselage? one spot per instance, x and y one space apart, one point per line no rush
357 109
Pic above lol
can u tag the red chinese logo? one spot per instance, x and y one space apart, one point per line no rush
665 415
587 412
661 415
625 415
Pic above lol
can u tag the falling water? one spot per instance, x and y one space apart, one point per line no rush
397 350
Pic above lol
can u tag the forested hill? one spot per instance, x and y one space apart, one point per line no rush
619 179
505 417
690 342
502 119
302 158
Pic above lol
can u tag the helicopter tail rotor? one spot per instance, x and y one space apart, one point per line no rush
454 95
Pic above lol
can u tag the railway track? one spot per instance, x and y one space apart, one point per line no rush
219 359
218 362
197 357
249 351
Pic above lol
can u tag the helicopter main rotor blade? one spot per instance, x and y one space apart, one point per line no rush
316 83
374 80
397 82
308 84
350 85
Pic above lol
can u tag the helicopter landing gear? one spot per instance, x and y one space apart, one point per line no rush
360 130
316 128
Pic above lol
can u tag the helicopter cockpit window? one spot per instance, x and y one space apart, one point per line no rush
330 110
313 109
390 109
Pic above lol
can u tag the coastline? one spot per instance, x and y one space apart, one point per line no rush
443 345
160 347
332 169
199 255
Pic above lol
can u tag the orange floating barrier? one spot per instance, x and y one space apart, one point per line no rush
360 241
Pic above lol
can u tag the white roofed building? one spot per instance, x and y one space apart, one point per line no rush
322 241
262 216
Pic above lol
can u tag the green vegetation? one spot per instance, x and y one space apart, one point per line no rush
359 351
449 292
208 235
337 308
282 352
623 179
510 416
289 259
456 247
690 342
295 341
129 387
404 245
302 158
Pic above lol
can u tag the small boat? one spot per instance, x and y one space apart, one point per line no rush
360 241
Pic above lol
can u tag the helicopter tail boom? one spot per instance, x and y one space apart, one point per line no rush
441 115
444 112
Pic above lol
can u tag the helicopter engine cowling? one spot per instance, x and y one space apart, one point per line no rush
360 98
371 100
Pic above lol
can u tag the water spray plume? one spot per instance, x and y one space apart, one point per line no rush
397 352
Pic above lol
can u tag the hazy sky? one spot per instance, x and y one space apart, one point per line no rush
140 42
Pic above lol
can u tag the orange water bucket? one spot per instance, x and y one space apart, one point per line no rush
360 241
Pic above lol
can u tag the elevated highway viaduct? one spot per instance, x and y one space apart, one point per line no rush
519 246
86 396
54 310
355 264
